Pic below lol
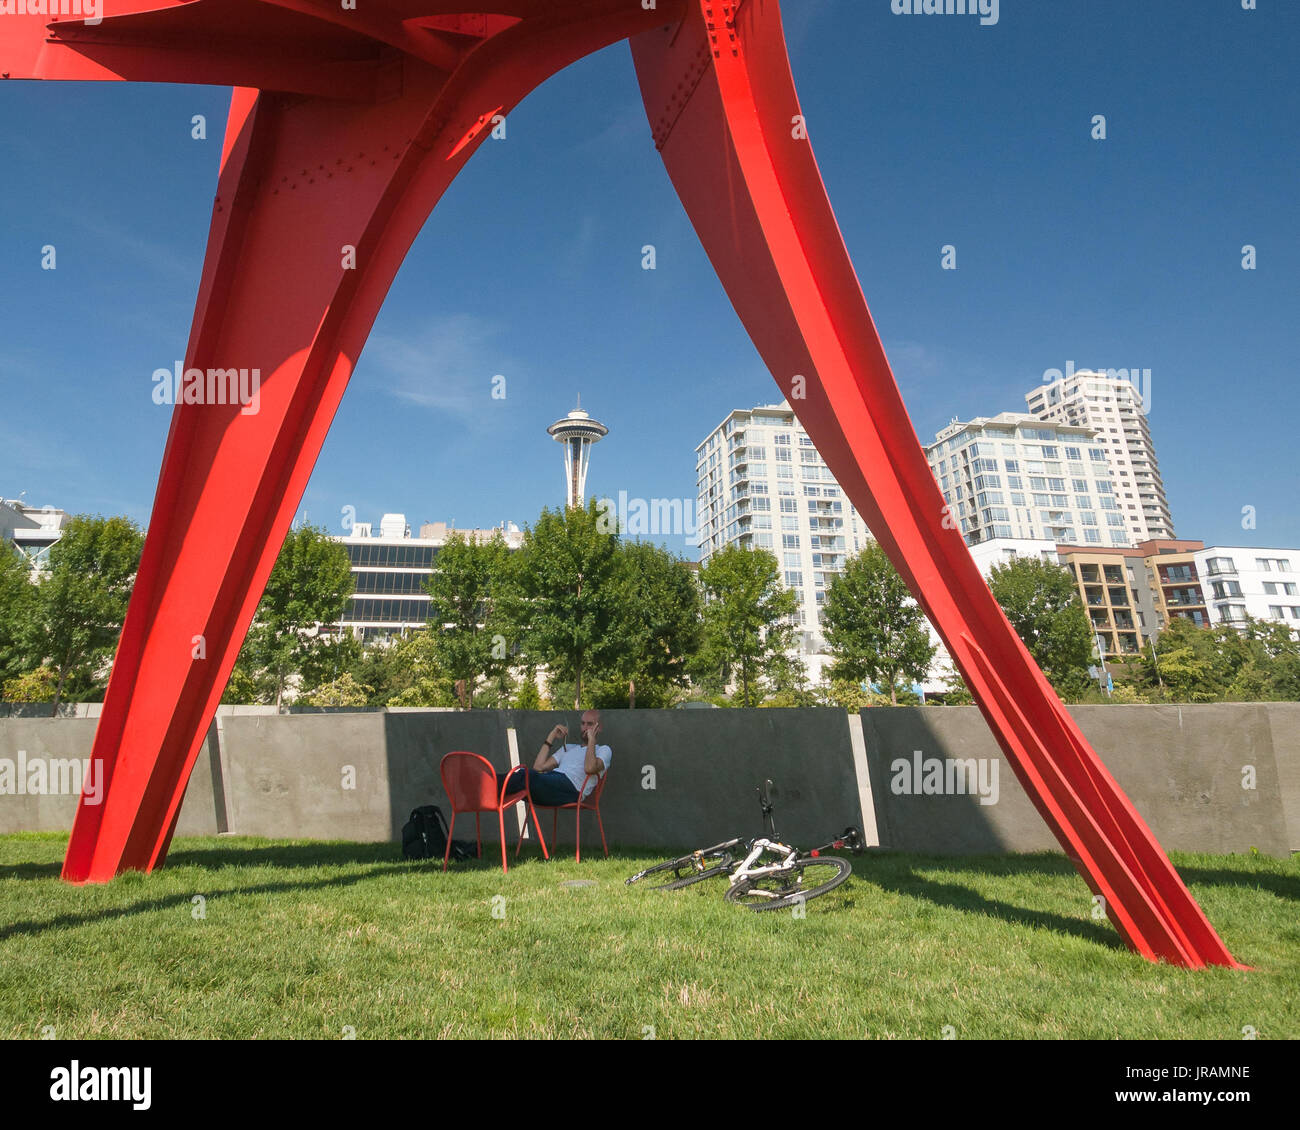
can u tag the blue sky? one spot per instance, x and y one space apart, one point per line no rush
929 131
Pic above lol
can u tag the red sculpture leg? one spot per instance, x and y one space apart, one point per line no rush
722 105
317 204
324 184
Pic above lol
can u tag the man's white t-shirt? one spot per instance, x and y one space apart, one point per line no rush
572 760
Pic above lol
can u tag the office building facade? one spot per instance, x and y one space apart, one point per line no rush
390 568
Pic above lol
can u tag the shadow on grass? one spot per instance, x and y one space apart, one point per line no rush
170 901
31 871
1284 886
900 874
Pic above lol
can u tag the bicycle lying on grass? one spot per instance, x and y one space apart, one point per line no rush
787 877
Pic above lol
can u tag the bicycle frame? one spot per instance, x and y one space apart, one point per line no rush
746 871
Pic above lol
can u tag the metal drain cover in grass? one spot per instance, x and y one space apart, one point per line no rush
579 883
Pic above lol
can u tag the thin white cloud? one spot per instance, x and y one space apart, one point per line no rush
447 368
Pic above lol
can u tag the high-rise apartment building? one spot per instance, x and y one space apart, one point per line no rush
761 484
1014 476
1114 406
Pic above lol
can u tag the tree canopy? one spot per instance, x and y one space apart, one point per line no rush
747 613
1042 603
73 620
873 628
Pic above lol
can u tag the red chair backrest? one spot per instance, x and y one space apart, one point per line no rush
470 781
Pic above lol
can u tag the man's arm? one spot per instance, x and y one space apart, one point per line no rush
545 758
592 764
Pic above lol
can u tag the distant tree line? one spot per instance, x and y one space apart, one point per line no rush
604 621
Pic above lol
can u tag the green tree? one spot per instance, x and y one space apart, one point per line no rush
747 614
328 658
786 682
873 628
309 588
563 602
16 595
76 615
34 686
1042 603
343 691
846 694
1186 659
414 674
466 628
657 628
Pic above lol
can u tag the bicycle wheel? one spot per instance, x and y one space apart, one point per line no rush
808 878
674 874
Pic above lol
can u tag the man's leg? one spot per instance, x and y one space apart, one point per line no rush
547 789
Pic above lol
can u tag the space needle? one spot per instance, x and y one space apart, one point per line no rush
577 432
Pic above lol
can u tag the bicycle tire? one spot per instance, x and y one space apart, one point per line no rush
685 869
807 879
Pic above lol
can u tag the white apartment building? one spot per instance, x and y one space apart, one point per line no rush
1015 476
761 484
1112 404
31 530
1244 581
389 568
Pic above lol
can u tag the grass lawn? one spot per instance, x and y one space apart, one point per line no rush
318 940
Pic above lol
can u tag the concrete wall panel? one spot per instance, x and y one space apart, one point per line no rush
1181 766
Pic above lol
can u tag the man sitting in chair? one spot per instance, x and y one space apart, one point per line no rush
559 771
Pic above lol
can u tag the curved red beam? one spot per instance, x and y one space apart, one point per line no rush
345 130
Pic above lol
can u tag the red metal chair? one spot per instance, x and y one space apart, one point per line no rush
471 785
583 803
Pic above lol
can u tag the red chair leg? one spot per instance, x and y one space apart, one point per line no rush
446 855
501 820
538 829
577 833
601 824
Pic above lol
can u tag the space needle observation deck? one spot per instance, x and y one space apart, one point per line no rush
577 432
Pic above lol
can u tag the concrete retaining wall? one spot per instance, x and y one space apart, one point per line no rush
687 777
50 740
1183 767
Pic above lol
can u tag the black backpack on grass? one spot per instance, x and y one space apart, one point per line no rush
425 836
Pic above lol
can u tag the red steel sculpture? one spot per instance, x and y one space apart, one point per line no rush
348 121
